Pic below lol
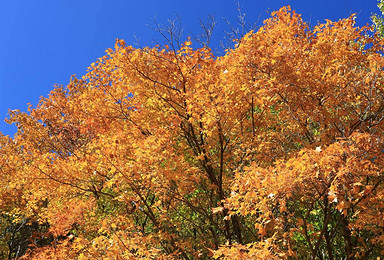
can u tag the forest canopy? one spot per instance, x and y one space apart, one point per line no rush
273 150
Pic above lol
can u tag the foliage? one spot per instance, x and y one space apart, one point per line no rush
378 20
272 151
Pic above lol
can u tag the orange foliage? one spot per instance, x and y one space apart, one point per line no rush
273 150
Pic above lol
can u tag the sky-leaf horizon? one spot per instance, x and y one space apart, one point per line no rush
44 43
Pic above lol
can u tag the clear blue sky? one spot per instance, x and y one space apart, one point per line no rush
43 43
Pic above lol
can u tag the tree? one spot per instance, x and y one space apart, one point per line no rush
273 150
378 20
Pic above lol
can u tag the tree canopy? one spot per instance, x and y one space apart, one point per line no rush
272 151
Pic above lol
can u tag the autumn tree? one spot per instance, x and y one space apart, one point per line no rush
273 150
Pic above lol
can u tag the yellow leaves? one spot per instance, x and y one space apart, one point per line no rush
332 196
82 256
201 157
227 218
343 208
217 210
104 226
261 229
79 244
368 189
137 152
62 216
110 183
265 249
357 187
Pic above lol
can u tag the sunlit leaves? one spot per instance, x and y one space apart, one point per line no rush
270 151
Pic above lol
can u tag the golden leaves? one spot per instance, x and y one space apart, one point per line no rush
217 210
133 160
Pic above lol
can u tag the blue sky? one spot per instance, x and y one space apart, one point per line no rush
43 43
